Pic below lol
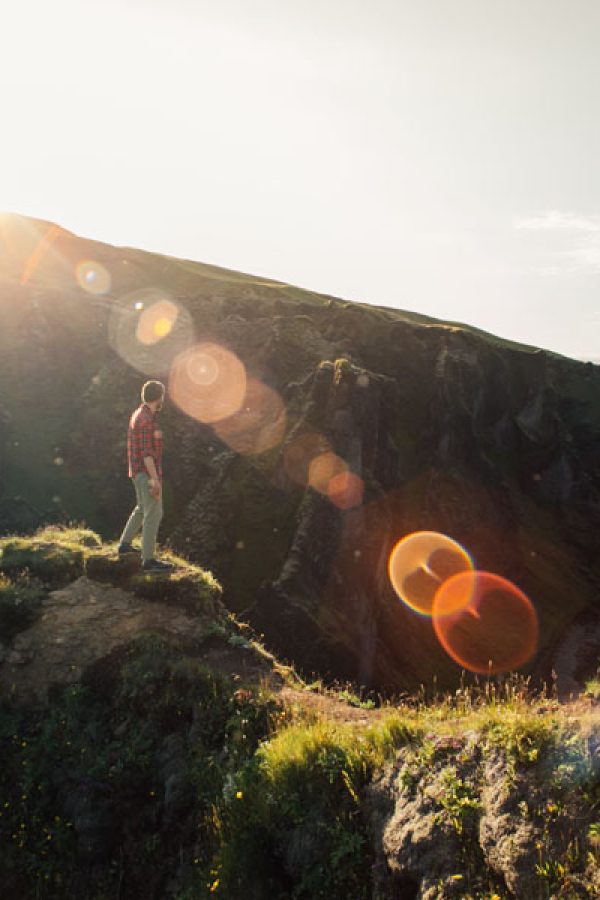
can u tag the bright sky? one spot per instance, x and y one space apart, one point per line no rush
440 156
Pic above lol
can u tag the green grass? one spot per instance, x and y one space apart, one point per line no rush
592 689
57 555
54 561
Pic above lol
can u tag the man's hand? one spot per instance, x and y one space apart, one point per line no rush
154 488
153 480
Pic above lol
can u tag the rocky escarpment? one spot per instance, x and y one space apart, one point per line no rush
455 809
441 427
68 604
87 622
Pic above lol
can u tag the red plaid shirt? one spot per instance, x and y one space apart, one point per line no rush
143 439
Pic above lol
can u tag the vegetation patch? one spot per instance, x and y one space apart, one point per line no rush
56 564
126 783
20 601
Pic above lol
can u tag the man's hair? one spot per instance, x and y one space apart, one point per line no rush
152 390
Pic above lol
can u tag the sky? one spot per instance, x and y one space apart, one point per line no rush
439 156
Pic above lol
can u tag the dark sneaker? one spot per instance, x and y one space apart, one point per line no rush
128 550
155 565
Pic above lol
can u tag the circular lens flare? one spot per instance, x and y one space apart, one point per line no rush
93 277
495 630
258 425
149 331
208 383
346 490
420 563
323 469
156 322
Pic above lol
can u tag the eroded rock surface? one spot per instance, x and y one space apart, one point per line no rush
87 621
456 821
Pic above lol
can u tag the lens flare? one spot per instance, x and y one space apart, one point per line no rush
323 469
39 251
346 490
258 425
149 330
420 563
309 461
208 383
299 453
495 630
156 321
93 277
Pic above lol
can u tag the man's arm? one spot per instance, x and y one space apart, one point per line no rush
145 437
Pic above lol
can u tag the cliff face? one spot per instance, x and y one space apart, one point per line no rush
358 425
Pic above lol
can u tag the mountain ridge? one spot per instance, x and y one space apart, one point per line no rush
398 314
431 427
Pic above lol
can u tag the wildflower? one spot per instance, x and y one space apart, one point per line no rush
214 886
239 795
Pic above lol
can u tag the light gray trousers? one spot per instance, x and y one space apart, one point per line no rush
146 516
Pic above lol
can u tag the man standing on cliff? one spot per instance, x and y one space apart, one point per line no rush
144 453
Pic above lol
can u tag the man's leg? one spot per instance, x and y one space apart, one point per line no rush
153 510
134 522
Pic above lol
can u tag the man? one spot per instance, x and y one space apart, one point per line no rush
144 454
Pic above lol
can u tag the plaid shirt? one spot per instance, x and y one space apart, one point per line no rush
143 439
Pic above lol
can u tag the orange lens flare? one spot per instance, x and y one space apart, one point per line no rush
156 322
208 383
38 253
346 490
323 469
259 424
93 277
485 623
309 460
420 563
329 475
150 330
